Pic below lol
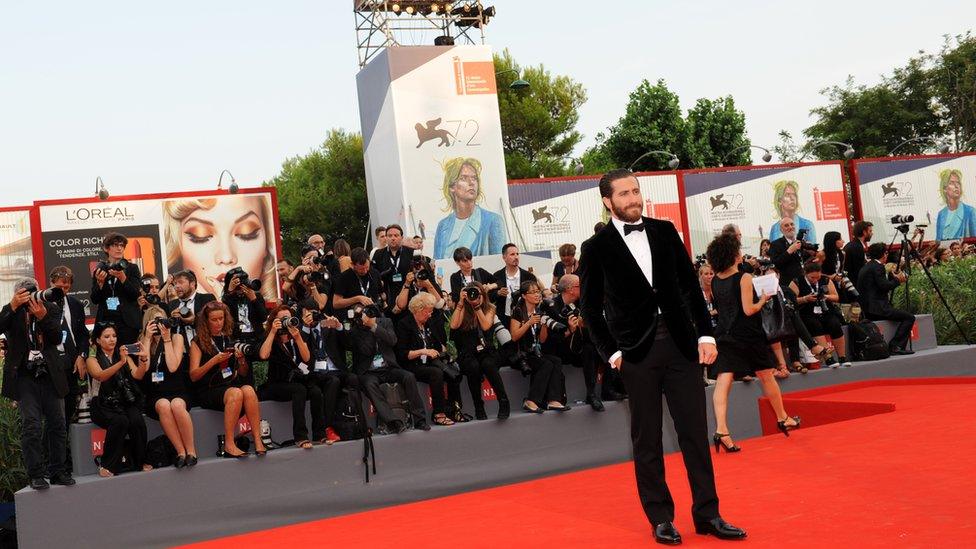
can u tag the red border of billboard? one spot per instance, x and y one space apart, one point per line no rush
856 179
37 243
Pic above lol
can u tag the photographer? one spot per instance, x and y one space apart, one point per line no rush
419 279
874 284
219 370
474 337
834 269
245 304
372 339
75 342
789 252
815 297
288 356
393 262
117 406
116 288
359 285
567 263
34 377
328 363
509 280
167 383
421 349
855 252
467 274
150 291
547 383
311 283
569 341
188 303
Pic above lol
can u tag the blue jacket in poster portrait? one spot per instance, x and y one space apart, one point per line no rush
484 234
958 224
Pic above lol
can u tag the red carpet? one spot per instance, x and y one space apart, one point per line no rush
904 478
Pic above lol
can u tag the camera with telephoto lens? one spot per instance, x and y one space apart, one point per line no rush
423 271
318 316
801 236
119 265
569 310
289 322
243 347
358 311
50 295
700 260
849 287
472 293
323 257
552 323
901 219
240 274
166 323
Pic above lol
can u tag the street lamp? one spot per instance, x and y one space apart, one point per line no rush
944 149
767 156
100 189
848 150
519 83
233 182
672 163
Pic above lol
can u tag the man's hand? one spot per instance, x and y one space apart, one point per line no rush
503 291
331 322
250 294
36 309
22 296
574 323
80 366
364 300
794 247
120 275
707 353
616 363
100 276
369 322
142 302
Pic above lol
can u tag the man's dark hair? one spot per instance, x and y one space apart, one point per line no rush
148 276
599 227
306 249
722 252
812 267
380 229
877 250
111 238
187 274
286 262
394 226
462 253
359 256
606 182
61 272
860 227
507 246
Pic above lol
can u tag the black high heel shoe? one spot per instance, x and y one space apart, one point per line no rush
782 426
717 439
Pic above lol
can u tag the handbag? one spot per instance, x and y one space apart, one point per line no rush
777 320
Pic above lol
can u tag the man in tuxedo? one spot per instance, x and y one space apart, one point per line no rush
34 377
855 251
116 288
185 284
787 253
874 284
646 314
509 279
74 344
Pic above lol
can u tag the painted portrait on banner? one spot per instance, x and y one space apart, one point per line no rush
212 235
786 203
956 219
467 223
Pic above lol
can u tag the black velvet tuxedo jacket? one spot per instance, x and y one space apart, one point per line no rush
620 308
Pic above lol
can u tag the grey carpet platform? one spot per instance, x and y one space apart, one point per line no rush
223 497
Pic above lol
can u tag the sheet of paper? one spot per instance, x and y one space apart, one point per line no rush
766 284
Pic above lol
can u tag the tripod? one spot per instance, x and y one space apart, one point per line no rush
909 253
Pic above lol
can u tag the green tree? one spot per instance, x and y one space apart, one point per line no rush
538 122
953 80
323 192
713 129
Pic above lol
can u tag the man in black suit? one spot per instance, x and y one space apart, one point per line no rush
187 305
509 279
393 263
855 251
646 314
34 377
116 288
874 284
74 343
787 253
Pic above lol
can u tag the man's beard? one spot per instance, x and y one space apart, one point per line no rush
623 215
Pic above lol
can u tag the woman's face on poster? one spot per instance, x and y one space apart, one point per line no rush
231 234
953 188
787 204
465 188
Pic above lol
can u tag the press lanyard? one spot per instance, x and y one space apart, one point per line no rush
396 264
365 288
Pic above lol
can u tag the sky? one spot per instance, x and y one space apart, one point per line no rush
163 97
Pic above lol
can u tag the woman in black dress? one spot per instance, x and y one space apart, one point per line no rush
168 396
471 331
219 370
547 384
742 345
117 407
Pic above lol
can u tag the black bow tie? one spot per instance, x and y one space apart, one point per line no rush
634 227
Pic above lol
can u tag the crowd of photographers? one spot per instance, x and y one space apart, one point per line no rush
350 323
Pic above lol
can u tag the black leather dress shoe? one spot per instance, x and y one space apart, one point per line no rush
667 534
595 403
720 529
63 479
39 483
901 352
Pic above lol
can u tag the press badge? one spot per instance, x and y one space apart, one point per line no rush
157 376
112 303
398 277
64 338
226 372
377 361
324 365
817 310
34 355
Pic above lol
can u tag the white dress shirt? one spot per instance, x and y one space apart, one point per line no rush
640 248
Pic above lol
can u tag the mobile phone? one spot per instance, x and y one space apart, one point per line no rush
133 348
801 234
